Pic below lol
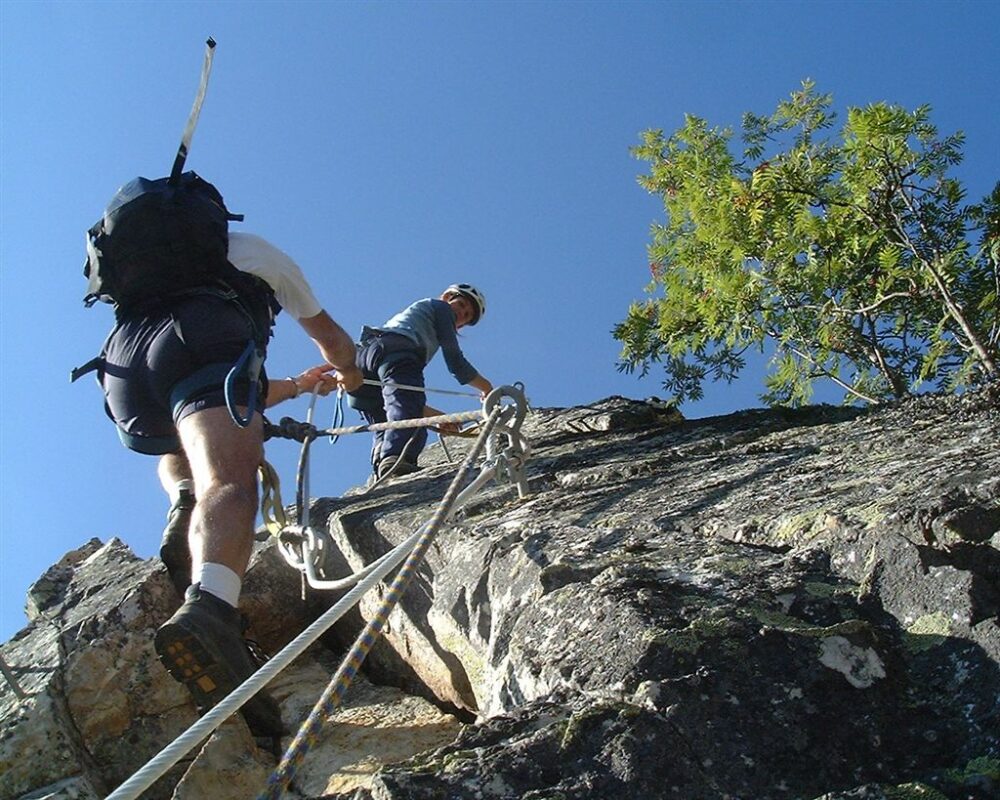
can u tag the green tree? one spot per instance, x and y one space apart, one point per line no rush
850 257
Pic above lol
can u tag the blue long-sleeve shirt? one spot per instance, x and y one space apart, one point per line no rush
430 324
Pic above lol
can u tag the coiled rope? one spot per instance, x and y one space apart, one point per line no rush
334 693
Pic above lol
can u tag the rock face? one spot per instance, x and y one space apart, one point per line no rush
771 604
93 684
97 704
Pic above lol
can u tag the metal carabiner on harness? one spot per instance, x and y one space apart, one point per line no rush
250 363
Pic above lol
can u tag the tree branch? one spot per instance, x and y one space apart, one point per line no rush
822 370
851 312
953 308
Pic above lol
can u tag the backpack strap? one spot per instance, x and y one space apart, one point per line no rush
96 363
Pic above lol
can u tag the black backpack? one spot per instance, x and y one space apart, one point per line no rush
161 240
156 239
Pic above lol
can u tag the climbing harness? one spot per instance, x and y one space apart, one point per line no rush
506 451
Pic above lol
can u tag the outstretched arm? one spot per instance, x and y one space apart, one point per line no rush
335 346
483 385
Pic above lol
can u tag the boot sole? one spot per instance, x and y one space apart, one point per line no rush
208 680
188 662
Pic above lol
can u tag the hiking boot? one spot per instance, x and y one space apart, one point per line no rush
174 549
260 658
396 467
202 647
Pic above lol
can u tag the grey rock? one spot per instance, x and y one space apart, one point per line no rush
769 604
76 788
50 588
756 588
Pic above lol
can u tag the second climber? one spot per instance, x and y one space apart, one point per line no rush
395 354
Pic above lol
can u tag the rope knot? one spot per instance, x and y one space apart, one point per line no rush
289 428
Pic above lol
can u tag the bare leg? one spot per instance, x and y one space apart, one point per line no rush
172 469
223 460
201 644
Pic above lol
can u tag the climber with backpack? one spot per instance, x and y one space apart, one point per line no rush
183 377
392 358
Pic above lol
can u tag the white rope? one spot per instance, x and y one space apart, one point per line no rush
176 750
422 389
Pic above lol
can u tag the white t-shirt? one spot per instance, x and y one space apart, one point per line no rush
250 253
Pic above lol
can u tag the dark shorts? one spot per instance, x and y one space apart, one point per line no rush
160 368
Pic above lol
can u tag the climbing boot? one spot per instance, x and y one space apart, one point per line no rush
260 658
174 549
202 647
396 467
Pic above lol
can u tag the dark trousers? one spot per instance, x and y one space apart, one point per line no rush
393 359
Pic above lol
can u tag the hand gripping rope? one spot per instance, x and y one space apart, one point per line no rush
503 460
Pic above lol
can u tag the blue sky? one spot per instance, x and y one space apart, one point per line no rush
391 149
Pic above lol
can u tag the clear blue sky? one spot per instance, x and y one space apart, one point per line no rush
391 149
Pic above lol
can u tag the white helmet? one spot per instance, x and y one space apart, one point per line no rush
477 298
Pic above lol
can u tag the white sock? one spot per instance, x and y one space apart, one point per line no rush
219 580
185 484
